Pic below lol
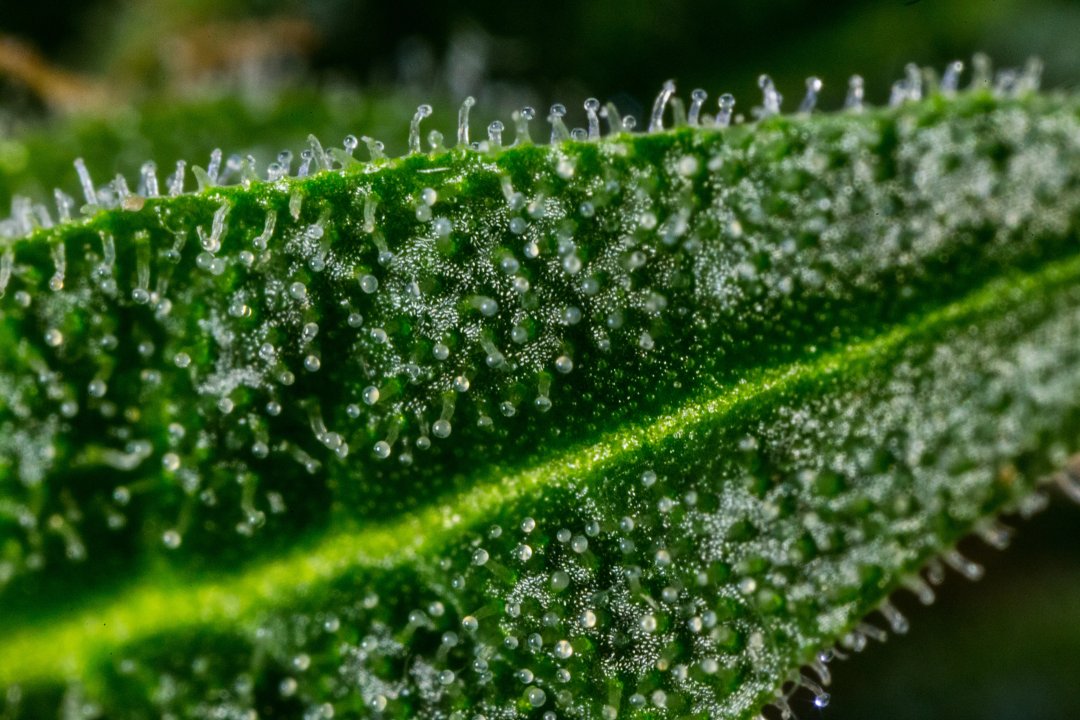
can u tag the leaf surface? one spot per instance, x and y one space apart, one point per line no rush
634 427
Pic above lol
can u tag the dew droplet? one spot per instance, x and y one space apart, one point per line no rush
97 388
170 461
536 696
171 539
369 283
441 428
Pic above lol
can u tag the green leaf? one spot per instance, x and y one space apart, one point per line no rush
634 427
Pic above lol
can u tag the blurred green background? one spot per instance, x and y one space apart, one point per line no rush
122 81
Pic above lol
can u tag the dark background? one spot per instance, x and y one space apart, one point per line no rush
1006 647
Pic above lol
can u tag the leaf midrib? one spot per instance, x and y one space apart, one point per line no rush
56 647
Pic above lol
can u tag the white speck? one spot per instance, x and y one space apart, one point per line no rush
172 539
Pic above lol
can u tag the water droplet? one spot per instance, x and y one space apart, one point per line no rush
442 227
687 166
536 696
369 283
382 449
171 539
487 306
441 428
470 623
170 461
480 556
